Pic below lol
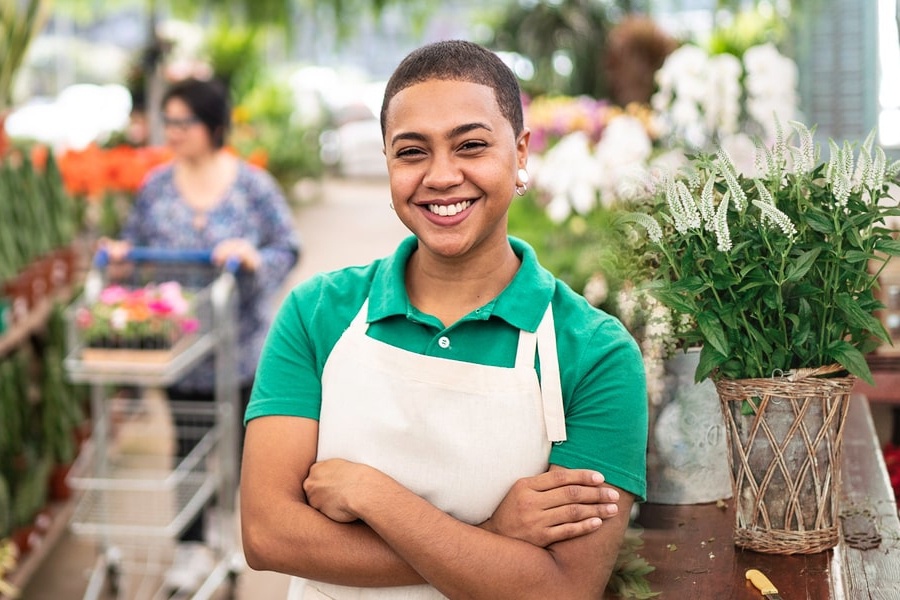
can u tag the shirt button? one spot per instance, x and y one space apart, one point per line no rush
444 342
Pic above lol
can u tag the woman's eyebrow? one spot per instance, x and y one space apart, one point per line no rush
466 128
456 131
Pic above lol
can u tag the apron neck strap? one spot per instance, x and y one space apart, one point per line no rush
551 387
359 321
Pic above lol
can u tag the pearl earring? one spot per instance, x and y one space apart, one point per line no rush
522 176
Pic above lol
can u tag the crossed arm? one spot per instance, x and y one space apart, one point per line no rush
350 524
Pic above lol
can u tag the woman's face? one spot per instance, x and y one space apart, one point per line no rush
452 158
185 133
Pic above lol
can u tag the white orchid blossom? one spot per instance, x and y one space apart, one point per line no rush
568 173
703 99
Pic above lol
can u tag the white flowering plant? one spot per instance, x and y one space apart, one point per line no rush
779 271
706 99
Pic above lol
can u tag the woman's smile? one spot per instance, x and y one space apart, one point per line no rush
449 210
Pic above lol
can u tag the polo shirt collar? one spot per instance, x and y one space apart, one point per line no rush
521 304
387 296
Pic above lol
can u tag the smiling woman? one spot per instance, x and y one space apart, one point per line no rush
520 407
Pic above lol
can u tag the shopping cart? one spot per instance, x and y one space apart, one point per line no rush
152 464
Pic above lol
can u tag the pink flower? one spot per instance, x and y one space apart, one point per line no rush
190 326
139 295
170 289
113 294
160 307
171 293
83 318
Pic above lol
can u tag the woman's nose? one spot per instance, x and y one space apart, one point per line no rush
443 172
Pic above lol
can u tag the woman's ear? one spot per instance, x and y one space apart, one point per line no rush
522 147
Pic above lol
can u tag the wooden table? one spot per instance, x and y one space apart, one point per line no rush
692 550
885 368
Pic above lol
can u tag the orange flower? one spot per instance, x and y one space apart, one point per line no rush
82 172
258 157
138 312
94 171
39 154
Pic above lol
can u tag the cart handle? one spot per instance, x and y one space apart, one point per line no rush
166 255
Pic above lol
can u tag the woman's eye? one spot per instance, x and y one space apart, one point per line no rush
472 145
409 152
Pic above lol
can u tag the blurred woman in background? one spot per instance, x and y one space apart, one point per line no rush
207 198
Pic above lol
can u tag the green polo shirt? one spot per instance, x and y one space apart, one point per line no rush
601 371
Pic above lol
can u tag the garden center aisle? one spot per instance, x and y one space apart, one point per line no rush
350 223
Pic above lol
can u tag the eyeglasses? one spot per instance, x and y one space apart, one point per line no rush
180 124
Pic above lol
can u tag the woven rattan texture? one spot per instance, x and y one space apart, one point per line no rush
784 442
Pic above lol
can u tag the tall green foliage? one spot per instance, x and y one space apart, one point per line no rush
20 22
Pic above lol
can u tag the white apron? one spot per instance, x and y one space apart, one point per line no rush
457 434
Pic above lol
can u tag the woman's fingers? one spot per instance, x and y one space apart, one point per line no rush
573 513
558 477
237 248
567 531
556 505
116 250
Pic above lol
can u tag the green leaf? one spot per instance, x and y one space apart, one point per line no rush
858 318
676 301
819 222
851 359
801 266
712 331
709 361
888 246
856 256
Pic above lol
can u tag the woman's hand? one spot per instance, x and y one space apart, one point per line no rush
239 249
331 484
116 250
554 506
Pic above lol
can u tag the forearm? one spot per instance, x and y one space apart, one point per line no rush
293 538
463 561
277 261
281 532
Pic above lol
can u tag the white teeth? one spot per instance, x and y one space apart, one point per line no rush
449 210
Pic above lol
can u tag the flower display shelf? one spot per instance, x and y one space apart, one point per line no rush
127 356
31 294
133 336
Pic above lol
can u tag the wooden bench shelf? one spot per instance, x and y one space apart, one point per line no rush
692 549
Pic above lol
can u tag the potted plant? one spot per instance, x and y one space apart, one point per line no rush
775 268
61 404
152 319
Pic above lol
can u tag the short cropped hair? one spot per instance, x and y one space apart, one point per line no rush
458 60
209 101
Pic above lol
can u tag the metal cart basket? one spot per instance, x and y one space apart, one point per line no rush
152 464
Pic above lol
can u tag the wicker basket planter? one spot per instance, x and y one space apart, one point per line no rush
784 444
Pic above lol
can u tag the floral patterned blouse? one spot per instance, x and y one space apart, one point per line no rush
253 209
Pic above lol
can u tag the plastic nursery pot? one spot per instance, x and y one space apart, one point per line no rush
58 486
